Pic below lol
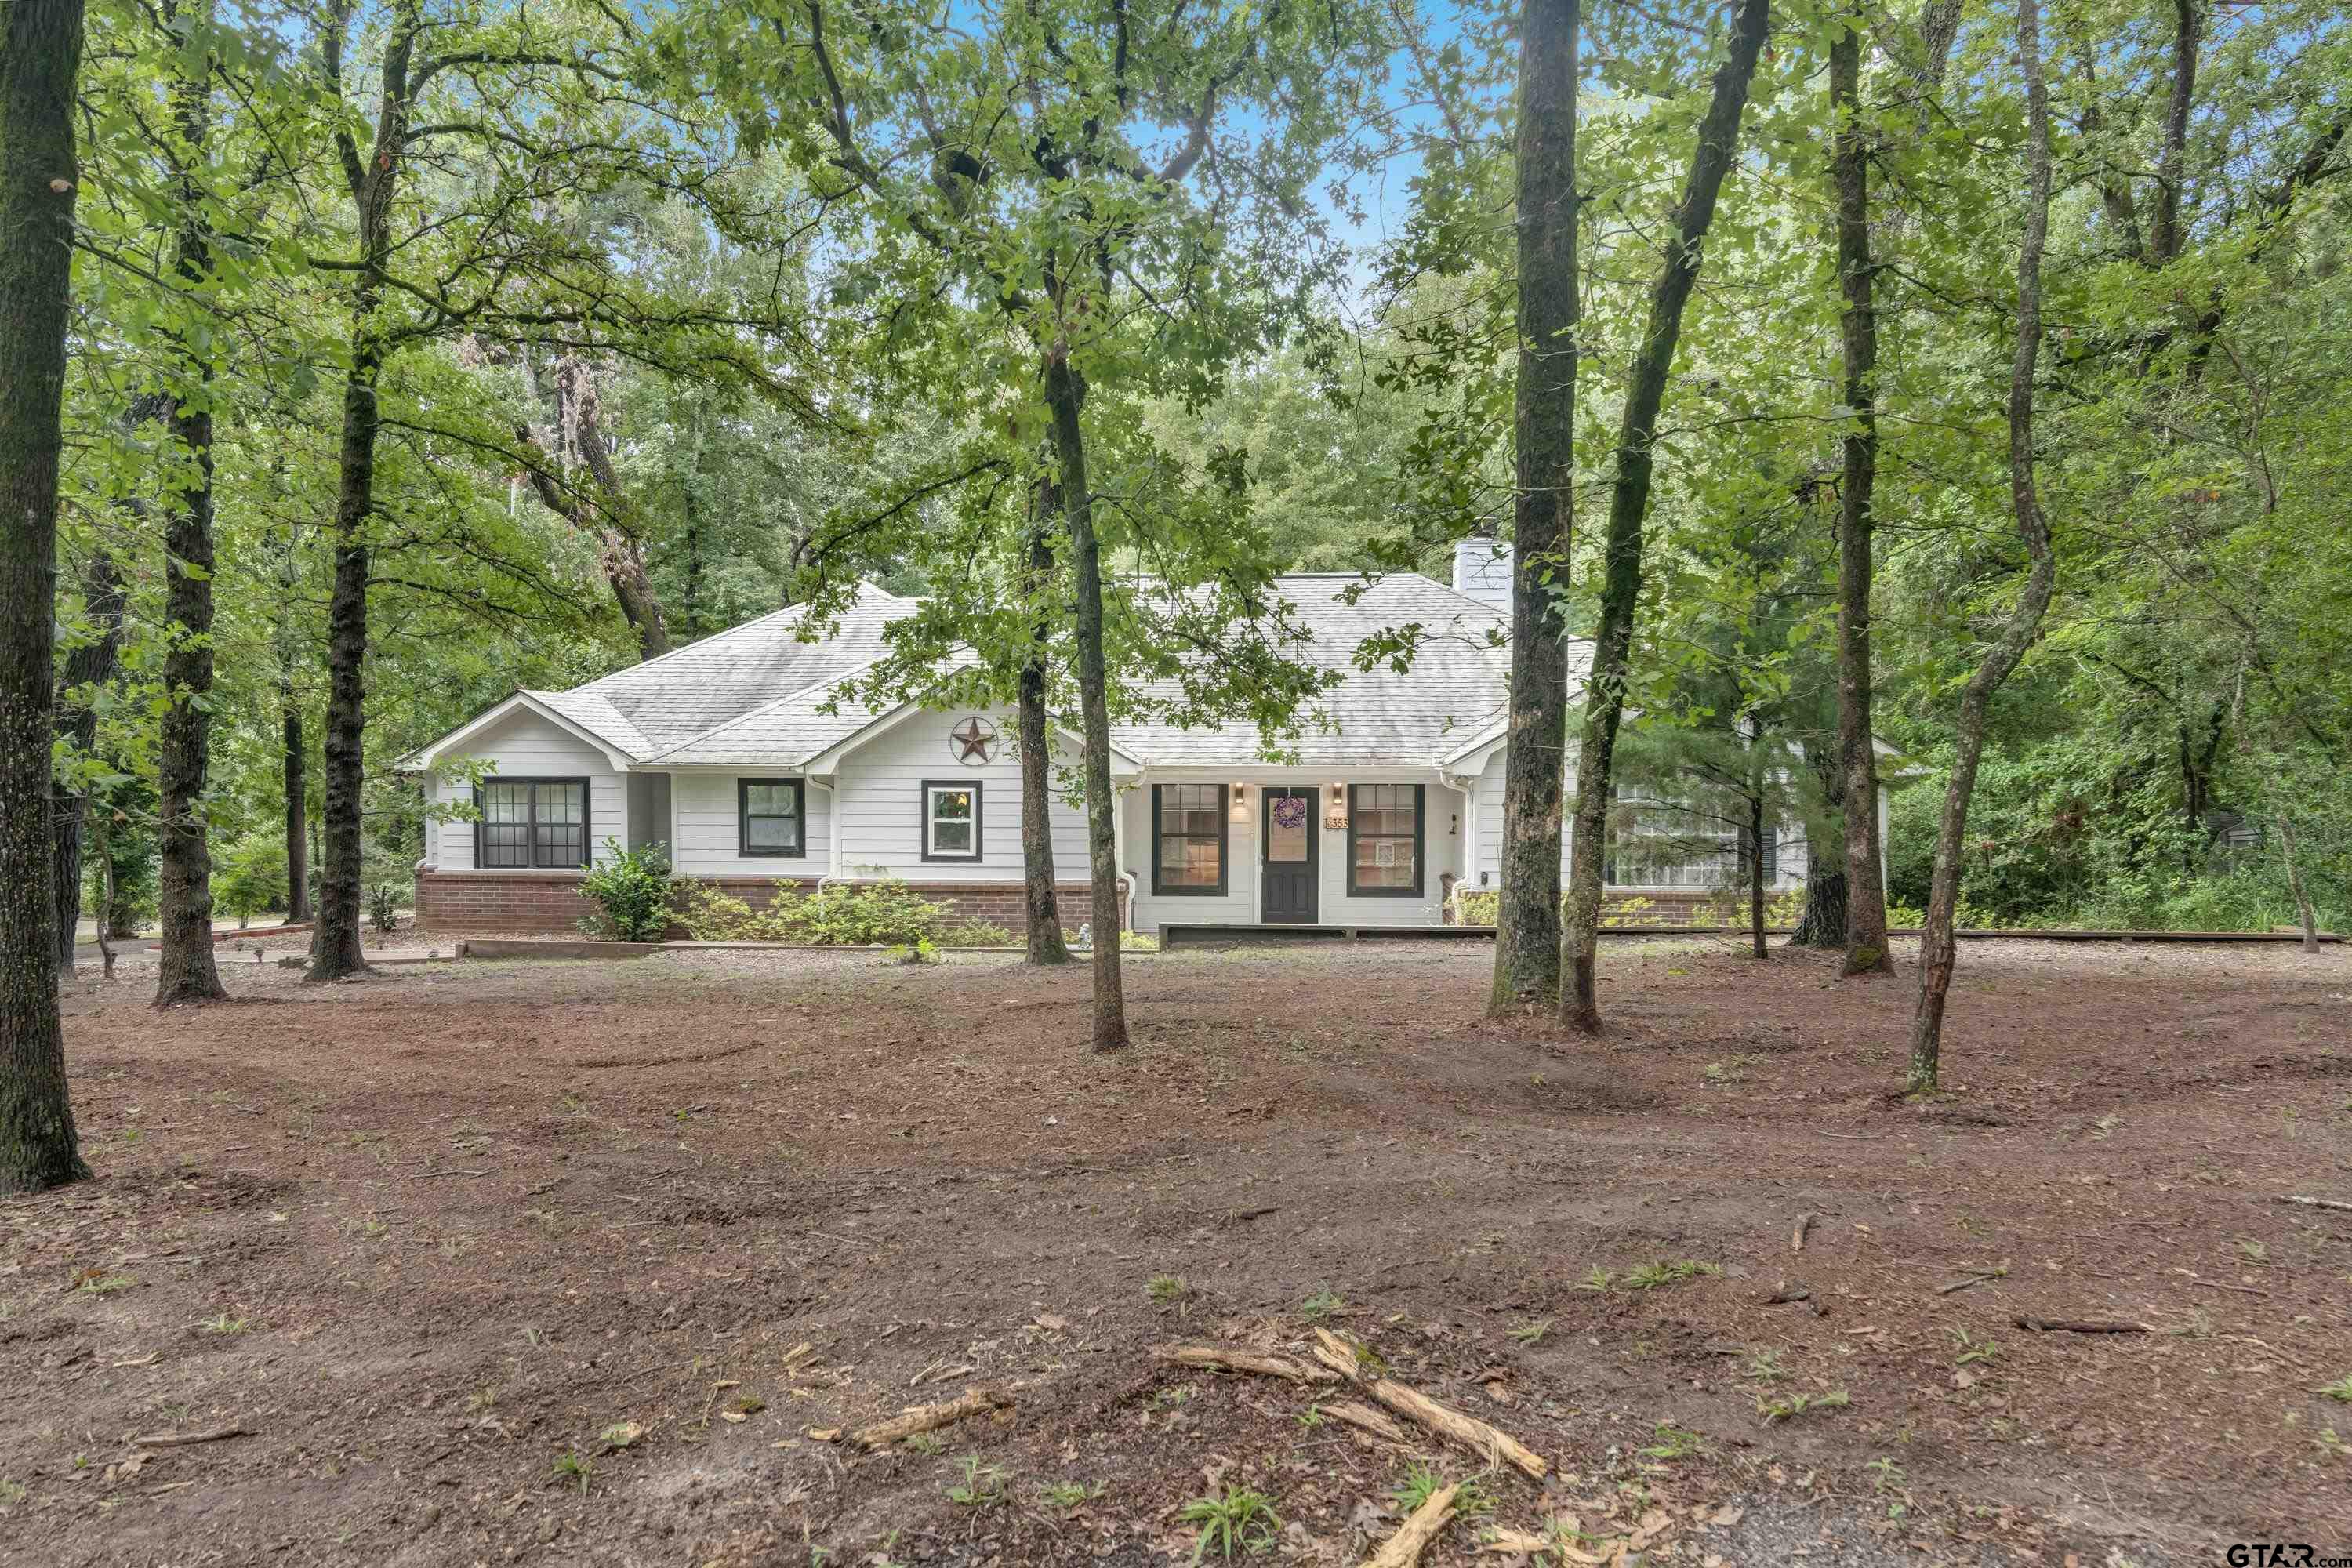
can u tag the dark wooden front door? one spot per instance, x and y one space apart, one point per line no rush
1289 842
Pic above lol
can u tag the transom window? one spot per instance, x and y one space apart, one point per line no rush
1384 840
531 824
771 815
950 821
1191 829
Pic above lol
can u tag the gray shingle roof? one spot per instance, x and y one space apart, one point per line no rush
722 679
752 697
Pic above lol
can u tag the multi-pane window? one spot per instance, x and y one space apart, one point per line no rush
770 813
531 824
1384 840
951 822
1191 828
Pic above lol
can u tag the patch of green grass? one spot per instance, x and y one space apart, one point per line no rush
12 1493
98 1282
571 1465
1532 1332
1425 1481
927 1442
1598 1280
2341 1389
1068 1494
1798 1405
981 1486
1420 1484
1312 1416
1165 1289
2253 1251
1764 1367
1973 1350
1322 1304
224 1324
1673 1442
1239 1519
1658 1275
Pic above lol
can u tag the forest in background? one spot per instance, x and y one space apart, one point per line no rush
638 387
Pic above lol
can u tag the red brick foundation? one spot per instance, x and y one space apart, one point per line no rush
551 901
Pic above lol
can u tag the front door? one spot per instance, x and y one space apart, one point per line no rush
1290 838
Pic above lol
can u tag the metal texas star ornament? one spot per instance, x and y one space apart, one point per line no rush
974 741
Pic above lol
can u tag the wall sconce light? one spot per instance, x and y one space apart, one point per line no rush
1335 817
1241 802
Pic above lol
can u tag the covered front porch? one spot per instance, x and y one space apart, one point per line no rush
1292 849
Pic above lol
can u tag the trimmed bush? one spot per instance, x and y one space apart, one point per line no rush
631 891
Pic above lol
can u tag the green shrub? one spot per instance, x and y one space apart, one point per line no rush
631 891
249 876
384 907
711 915
887 913
872 914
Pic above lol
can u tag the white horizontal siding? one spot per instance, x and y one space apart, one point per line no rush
878 805
524 746
1245 849
1236 906
709 830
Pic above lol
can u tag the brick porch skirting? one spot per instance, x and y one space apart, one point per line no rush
551 901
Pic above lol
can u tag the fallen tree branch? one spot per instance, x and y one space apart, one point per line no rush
1999 1272
1219 1358
182 1439
1403 1549
1804 1223
924 1417
2314 1203
2070 1326
1368 1419
1467 1430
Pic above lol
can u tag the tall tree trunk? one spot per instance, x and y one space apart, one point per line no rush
1629 503
1065 394
91 665
1526 924
605 517
2294 884
1864 891
184 970
2164 233
1821 922
40 54
1755 837
335 946
1937 942
292 762
373 179
1042 909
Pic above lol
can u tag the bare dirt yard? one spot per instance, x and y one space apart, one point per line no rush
577 1263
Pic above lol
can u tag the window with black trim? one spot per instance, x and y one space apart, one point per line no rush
950 821
531 824
1189 822
1384 841
770 816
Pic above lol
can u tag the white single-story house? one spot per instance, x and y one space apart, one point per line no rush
725 752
